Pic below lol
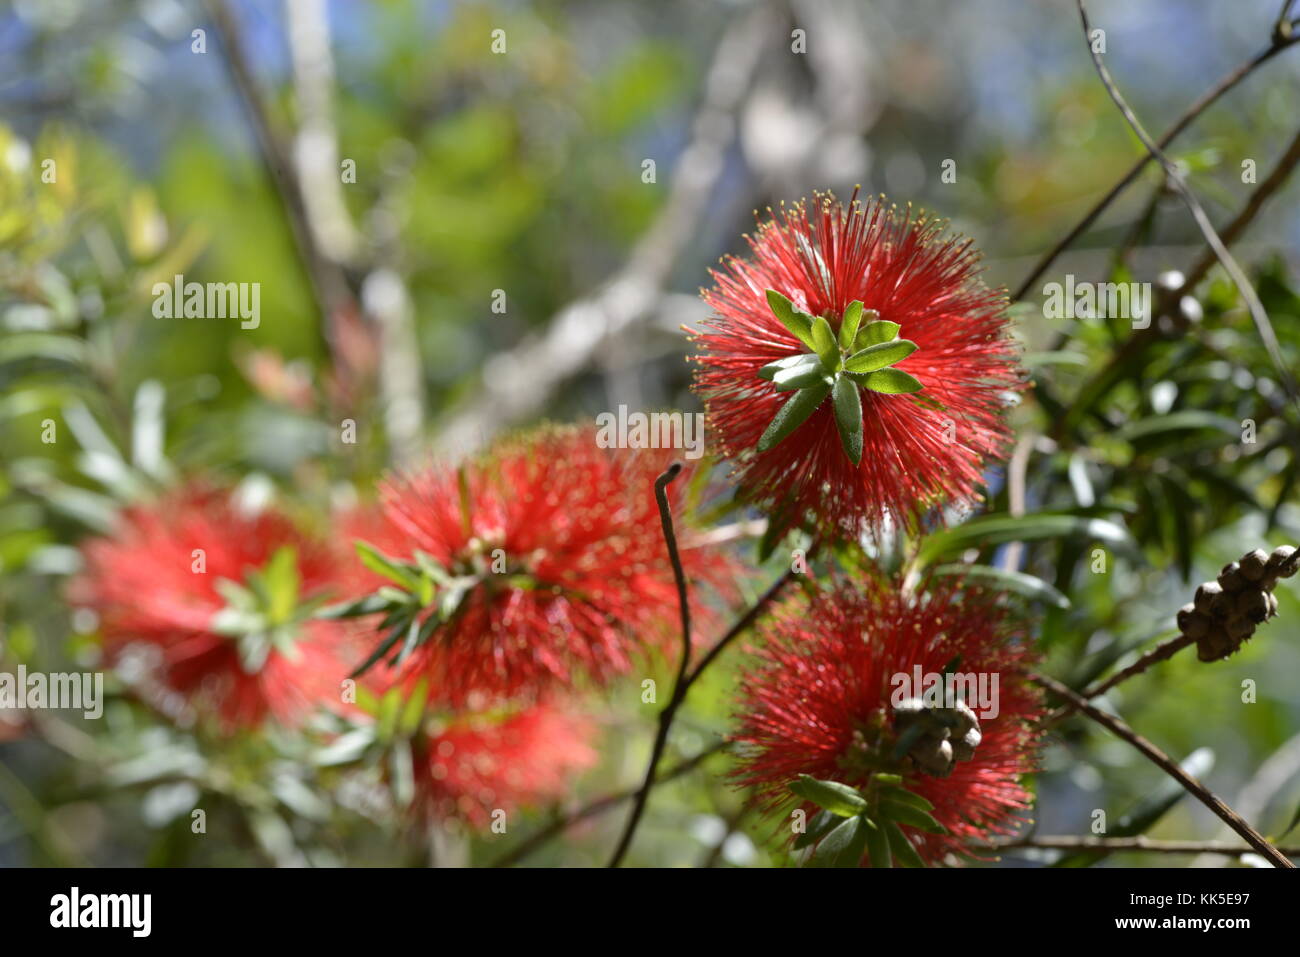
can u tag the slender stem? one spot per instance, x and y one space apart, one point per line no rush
1189 116
1170 767
685 678
1138 843
1175 179
679 684
1161 652
599 806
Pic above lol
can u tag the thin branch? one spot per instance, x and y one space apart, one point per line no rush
1102 382
328 285
599 806
1170 767
679 683
1161 652
1206 100
1175 179
1138 843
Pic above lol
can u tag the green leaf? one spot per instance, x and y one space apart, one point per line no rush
843 846
282 582
892 382
878 846
996 529
381 564
770 370
904 796
839 799
394 636
369 605
800 376
1030 586
901 846
879 356
793 414
821 822
848 417
824 344
875 331
799 324
849 324
910 815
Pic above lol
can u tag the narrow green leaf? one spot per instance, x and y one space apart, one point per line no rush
832 796
901 846
879 356
770 370
904 796
997 529
824 344
892 382
793 414
843 846
1030 586
381 564
849 324
800 376
848 417
799 324
369 605
874 331
878 846
911 816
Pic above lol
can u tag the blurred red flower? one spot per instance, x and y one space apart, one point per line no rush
473 765
559 547
191 576
820 701
916 450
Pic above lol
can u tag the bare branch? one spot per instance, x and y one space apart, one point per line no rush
1175 179
1170 767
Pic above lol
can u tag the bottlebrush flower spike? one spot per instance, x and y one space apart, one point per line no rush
856 367
224 597
543 560
472 765
827 700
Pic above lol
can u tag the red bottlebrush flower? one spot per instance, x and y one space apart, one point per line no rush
558 545
868 449
473 765
218 593
827 699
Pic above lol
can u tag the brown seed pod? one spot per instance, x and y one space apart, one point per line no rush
963 748
1239 628
1206 594
936 758
1253 564
1278 561
1231 579
1253 605
1198 626
1272 605
1184 616
1213 646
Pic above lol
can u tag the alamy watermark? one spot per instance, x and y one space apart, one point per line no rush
977 690
71 691
651 430
179 299
1098 300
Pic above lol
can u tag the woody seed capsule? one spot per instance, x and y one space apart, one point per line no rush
1205 594
1253 564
